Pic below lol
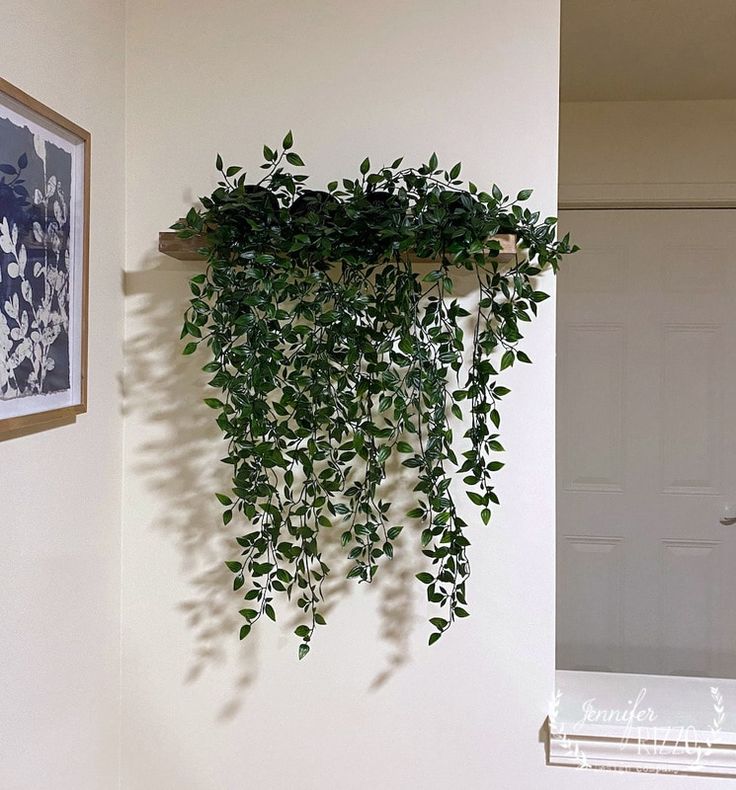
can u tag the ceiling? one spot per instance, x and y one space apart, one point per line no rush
627 50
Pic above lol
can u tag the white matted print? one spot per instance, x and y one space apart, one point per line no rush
44 210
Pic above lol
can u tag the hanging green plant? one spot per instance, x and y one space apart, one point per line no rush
334 350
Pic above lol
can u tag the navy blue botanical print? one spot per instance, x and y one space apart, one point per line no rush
35 182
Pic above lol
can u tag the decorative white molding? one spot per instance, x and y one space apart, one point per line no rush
647 195
691 729
614 754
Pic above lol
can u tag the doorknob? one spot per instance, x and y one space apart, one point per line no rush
728 519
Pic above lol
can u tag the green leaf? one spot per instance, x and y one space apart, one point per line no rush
224 499
244 630
190 348
425 578
268 154
288 141
303 650
439 623
525 194
434 637
385 403
365 166
218 163
294 159
235 567
455 172
404 447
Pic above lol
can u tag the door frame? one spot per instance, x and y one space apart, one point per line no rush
591 197
704 744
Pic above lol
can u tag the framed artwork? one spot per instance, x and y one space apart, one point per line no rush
44 252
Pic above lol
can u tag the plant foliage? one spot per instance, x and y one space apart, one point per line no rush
335 354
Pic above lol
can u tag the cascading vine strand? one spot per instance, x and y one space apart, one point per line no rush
335 353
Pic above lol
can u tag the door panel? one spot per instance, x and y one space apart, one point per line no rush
647 443
592 386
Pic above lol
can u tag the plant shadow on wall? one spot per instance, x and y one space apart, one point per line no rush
178 459
337 357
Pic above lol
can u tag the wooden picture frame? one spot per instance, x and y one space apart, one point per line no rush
44 263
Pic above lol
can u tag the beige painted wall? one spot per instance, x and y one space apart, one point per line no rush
60 488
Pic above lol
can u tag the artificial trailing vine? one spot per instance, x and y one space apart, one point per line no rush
334 351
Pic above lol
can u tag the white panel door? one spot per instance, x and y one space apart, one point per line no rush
646 422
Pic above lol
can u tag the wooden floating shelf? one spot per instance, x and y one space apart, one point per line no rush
186 249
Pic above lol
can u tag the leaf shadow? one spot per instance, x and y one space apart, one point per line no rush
176 447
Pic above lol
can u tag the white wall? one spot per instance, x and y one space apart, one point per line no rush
60 489
474 81
372 706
